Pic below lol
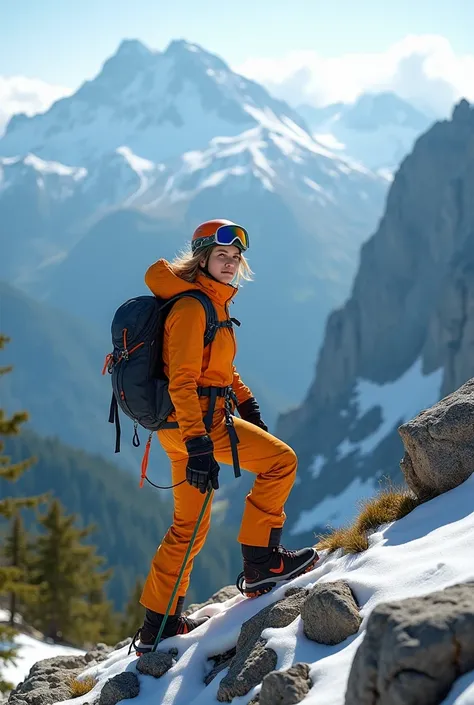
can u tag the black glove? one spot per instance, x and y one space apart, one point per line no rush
202 470
249 411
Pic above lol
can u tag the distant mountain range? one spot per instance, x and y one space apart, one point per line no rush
119 174
99 186
378 129
158 104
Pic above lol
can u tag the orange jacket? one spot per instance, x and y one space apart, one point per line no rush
186 362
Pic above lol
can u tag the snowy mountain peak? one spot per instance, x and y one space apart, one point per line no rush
378 129
374 110
132 48
182 49
158 104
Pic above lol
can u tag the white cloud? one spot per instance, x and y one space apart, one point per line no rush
19 94
423 69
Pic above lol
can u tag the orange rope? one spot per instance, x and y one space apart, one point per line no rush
146 455
108 357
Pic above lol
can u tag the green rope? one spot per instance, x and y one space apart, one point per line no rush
185 561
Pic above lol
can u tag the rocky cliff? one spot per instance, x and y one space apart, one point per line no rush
403 339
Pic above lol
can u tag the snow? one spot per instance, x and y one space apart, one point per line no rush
103 128
262 151
143 168
286 127
138 164
57 179
329 140
219 176
317 465
386 173
195 160
313 185
385 146
399 401
462 692
215 179
30 651
51 167
428 550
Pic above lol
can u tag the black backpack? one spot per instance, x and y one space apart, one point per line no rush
139 384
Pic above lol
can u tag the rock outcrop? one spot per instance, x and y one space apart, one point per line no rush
409 322
414 650
48 680
253 660
439 444
330 613
285 687
121 687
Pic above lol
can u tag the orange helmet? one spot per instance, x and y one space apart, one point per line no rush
219 232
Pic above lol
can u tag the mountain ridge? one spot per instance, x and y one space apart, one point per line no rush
406 330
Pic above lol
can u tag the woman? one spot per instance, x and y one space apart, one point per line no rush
215 265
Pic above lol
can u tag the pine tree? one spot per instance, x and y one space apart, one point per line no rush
8 652
100 623
134 613
17 553
12 577
71 604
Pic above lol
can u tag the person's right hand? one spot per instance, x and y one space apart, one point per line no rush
202 470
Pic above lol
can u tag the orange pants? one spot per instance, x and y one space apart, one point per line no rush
275 466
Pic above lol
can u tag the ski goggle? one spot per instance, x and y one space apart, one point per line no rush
224 235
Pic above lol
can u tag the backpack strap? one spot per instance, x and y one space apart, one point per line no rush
212 322
114 418
212 326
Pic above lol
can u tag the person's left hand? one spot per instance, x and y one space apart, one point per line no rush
249 411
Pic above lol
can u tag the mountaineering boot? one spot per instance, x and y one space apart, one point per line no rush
265 568
175 625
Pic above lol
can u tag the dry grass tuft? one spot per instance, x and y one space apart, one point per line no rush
390 504
81 687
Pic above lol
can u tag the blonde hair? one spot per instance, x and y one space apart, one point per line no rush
187 266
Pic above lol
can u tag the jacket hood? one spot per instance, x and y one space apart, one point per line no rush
162 282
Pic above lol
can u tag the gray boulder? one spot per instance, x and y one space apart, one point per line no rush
330 613
121 644
48 681
414 649
155 663
258 663
121 687
253 660
439 444
99 653
286 687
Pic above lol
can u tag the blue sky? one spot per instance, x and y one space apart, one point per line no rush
66 41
